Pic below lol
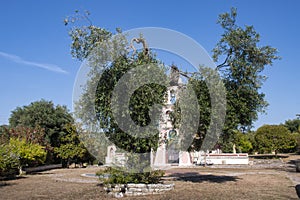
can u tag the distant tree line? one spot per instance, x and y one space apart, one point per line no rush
267 139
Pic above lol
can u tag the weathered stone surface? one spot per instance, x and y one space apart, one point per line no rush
119 195
131 189
134 189
140 185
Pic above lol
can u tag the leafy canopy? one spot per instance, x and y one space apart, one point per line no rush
42 115
109 59
242 70
8 160
27 152
242 74
269 138
71 147
293 125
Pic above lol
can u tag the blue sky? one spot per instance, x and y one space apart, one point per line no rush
35 60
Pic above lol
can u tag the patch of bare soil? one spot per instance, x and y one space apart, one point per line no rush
53 184
190 183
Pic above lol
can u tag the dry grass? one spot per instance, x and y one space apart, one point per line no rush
193 183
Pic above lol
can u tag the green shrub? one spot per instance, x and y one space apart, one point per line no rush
26 152
112 175
8 161
278 138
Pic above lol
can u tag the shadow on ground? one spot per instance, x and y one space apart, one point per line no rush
198 178
11 178
40 173
290 166
4 184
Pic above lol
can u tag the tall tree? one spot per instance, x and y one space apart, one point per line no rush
109 60
71 148
43 115
43 120
242 70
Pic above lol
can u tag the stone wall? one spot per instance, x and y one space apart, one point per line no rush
120 190
225 159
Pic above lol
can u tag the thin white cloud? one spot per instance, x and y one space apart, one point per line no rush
20 60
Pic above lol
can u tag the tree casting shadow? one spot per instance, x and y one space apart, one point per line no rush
4 184
198 178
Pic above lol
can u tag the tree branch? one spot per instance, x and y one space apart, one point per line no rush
223 64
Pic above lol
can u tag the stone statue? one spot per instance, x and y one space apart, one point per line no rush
233 149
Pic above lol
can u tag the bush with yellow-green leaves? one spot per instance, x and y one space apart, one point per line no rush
19 153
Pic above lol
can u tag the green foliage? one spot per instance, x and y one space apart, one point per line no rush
45 117
27 152
211 96
297 138
85 39
71 148
241 74
293 125
269 138
8 160
139 105
4 134
21 146
242 70
242 142
245 61
244 145
119 176
112 61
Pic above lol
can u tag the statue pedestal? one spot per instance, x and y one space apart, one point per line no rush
160 157
185 159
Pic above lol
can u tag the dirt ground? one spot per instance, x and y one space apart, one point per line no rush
273 179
